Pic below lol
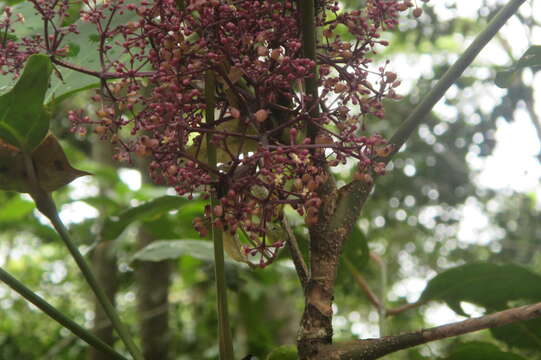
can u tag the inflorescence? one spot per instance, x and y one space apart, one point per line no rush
274 142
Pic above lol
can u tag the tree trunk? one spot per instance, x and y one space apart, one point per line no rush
104 266
105 269
153 279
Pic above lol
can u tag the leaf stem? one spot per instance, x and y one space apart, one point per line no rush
224 332
296 255
51 213
56 315
45 204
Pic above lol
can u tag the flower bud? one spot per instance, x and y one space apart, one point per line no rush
390 77
324 139
261 115
340 88
218 211
235 113
100 130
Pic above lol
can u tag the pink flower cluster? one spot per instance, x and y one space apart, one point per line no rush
14 51
251 54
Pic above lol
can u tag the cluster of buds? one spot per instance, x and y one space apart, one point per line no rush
266 252
14 51
243 63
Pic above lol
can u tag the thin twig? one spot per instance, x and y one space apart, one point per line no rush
400 309
370 349
363 284
371 295
296 255
100 74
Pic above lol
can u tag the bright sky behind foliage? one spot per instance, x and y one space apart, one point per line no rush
514 164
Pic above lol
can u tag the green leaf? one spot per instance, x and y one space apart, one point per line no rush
174 249
477 350
115 225
356 254
74 50
531 58
15 209
32 25
504 78
12 2
74 11
484 284
86 56
525 335
284 352
24 122
356 248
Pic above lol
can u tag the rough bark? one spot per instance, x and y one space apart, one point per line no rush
340 211
337 216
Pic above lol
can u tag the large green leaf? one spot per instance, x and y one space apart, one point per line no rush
11 2
477 350
531 59
74 10
525 334
177 226
24 122
173 249
86 44
114 225
484 284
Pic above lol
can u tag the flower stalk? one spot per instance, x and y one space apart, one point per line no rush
224 330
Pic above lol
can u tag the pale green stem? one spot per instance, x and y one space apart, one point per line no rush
56 315
224 331
45 204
